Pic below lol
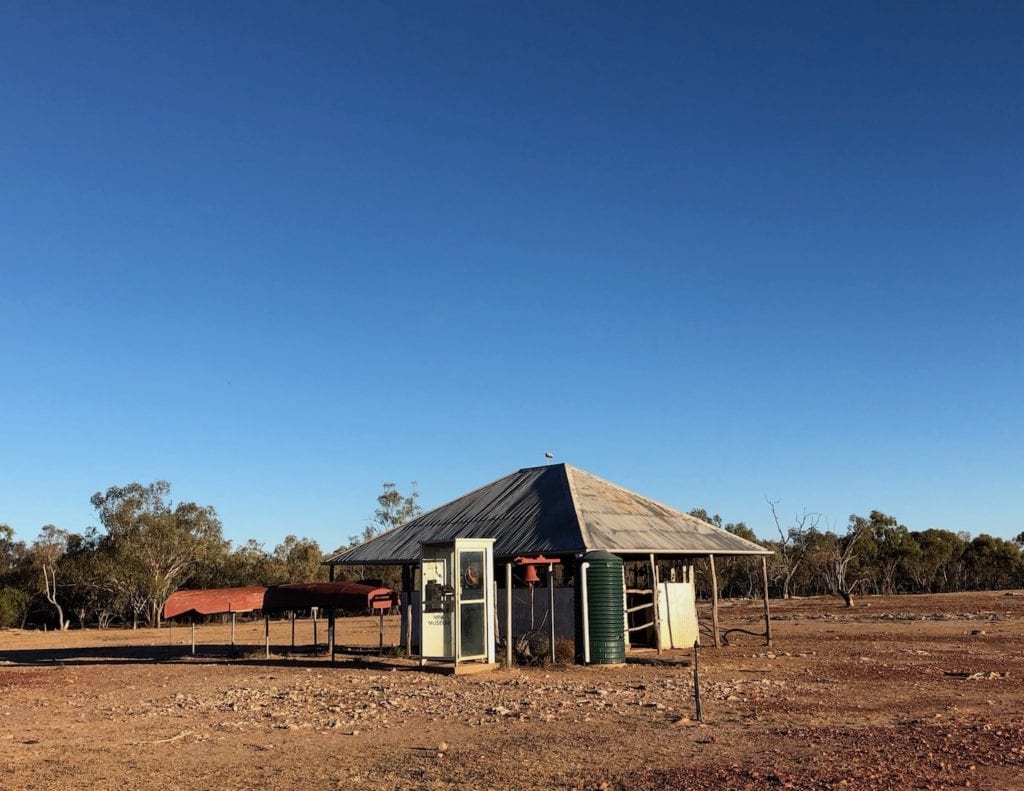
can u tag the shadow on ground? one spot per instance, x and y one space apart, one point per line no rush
281 656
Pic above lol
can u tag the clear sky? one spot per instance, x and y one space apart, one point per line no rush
280 254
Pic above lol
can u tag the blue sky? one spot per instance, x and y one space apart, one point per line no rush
280 254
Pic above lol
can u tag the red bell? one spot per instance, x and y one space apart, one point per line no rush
530 575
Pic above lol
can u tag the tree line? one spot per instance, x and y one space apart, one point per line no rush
874 554
147 546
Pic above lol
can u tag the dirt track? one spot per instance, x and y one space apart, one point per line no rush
902 692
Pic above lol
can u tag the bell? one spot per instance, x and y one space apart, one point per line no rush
530 575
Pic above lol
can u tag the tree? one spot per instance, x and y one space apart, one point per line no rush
299 560
248 564
891 550
156 543
48 550
993 563
791 549
14 604
393 509
933 563
737 576
7 549
742 574
87 569
704 516
841 554
18 576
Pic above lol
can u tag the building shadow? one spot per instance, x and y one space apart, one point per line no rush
206 654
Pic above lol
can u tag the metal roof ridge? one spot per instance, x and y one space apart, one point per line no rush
581 524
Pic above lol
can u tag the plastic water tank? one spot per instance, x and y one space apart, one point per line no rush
604 612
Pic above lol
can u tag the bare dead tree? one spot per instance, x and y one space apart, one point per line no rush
793 545
842 552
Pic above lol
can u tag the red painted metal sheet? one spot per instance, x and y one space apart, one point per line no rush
352 596
347 596
215 600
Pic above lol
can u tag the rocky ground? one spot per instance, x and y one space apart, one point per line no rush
901 692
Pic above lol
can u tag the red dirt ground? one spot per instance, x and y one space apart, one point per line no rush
909 692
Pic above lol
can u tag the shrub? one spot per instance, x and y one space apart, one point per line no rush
13 606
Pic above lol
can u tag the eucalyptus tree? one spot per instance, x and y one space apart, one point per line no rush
793 545
155 542
48 550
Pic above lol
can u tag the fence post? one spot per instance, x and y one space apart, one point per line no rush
696 682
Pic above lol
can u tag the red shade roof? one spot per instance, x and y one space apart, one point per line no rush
295 596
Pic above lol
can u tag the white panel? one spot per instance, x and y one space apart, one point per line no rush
678 620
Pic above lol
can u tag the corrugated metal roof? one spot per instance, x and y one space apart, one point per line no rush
621 521
555 509
297 595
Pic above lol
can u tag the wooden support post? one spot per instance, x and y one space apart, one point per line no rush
316 634
293 631
696 683
654 600
232 630
551 607
508 614
193 638
714 600
330 619
767 611
266 632
407 583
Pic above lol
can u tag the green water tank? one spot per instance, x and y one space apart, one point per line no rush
605 599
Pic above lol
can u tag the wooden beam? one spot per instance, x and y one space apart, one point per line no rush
767 611
654 600
508 614
551 608
407 582
330 621
714 600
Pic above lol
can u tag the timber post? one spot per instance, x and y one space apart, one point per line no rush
508 614
330 620
407 580
696 683
551 607
654 602
767 611
714 600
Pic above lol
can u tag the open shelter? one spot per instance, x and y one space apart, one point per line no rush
331 596
560 511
